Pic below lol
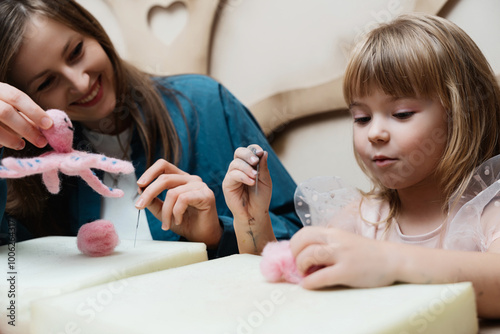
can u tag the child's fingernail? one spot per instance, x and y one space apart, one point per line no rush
254 159
254 172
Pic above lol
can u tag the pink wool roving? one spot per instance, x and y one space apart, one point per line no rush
97 238
278 263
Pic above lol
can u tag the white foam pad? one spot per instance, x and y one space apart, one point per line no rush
229 295
53 266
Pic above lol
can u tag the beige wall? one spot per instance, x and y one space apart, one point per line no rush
283 58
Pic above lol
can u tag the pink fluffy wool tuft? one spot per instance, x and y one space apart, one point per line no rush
97 238
278 263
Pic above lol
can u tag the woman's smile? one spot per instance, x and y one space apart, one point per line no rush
92 97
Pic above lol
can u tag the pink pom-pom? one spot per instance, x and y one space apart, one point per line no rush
97 238
278 263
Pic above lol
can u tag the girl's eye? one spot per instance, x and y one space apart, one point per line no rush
45 84
76 51
362 120
404 114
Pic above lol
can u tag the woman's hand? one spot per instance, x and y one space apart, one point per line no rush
248 195
20 118
244 196
189 208
343 258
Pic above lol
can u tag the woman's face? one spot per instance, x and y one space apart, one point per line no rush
63 69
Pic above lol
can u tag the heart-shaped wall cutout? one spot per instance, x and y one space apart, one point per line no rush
167 23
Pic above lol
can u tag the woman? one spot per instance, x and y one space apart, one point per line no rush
180 133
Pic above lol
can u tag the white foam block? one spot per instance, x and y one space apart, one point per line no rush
53 266
229 295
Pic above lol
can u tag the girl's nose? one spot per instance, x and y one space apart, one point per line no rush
378 133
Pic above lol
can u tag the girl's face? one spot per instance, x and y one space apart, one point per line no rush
399 139
63 69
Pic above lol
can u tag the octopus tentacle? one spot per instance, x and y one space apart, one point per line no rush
51 180
96 184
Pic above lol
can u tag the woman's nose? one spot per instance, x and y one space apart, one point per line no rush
78 80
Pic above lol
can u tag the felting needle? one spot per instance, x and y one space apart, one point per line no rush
257 179
137 226
254 151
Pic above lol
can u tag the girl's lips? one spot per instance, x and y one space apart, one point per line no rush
93 97
383 161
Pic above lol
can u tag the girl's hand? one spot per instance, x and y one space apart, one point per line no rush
20 118
189 207
248 195
343 258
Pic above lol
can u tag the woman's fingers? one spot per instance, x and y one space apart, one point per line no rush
10 139
252 161
240 172
177 196
16 126
163 182
24 104
263 174
160 167
197 196
155 207
184 190
250 154
22 118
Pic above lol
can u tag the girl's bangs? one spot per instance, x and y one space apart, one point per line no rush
394 62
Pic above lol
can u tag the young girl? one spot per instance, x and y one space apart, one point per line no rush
180 133
426 111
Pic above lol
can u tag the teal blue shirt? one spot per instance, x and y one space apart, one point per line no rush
215 125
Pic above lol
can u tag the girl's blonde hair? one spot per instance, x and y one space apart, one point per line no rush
431 57
137 95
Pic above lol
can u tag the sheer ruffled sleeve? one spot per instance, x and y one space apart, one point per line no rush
327 201
474 221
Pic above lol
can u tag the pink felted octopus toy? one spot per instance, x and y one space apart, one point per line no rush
66 160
